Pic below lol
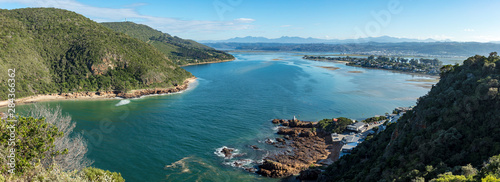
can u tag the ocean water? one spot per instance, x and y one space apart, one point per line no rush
174 137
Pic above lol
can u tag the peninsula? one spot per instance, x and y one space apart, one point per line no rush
422 66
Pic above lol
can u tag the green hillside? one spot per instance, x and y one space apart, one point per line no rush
180 51
56 50
455 124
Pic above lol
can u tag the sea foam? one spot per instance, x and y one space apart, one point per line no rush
123 102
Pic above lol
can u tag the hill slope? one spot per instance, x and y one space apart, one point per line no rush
180 51
56 50
455 124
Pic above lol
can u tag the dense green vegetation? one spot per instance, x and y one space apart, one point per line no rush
455 124
422 65
374 119
34 138
31 142
329 125
180 51
490 172
56 50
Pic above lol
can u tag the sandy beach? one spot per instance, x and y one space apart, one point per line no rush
98 95
190 64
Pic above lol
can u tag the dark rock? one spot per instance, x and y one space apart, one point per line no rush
276 121
285 123
279 146
309 174
307 134
239 155
227 152
280 140
255 147
275 169
288 131
250 169
240 163
300 124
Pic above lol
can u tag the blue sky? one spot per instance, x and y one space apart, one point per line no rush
458 20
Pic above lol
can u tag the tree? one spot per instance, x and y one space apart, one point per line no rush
74 144
45 151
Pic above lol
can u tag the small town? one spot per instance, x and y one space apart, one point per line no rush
422 65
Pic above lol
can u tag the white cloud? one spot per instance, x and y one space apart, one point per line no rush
165 24
244 20
285 26
469 30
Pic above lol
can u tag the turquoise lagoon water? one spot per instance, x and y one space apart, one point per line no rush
174 137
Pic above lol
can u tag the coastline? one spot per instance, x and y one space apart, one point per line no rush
210 62
306 147
433 76
100 95
348 63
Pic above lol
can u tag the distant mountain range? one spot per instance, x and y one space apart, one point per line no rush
300 40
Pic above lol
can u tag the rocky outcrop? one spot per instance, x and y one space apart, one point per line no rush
309 174
294 123
227 152
288 131
300 124
280 140
275 169
275 121
308 147
254 147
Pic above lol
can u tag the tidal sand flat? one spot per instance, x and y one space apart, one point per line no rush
329 67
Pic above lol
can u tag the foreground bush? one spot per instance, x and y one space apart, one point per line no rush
42 150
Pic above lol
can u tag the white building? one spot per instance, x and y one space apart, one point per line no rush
357 127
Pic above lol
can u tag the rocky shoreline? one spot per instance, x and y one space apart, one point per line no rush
101 95
309 148
301 147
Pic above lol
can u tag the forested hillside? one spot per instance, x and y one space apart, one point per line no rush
180 51
54 50
455 124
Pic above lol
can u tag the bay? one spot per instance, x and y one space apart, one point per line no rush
174 137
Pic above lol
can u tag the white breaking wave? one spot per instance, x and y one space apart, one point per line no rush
123 102
276 128
240 163
191 86
219 153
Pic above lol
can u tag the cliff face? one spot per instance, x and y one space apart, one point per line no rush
455 124
56 50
